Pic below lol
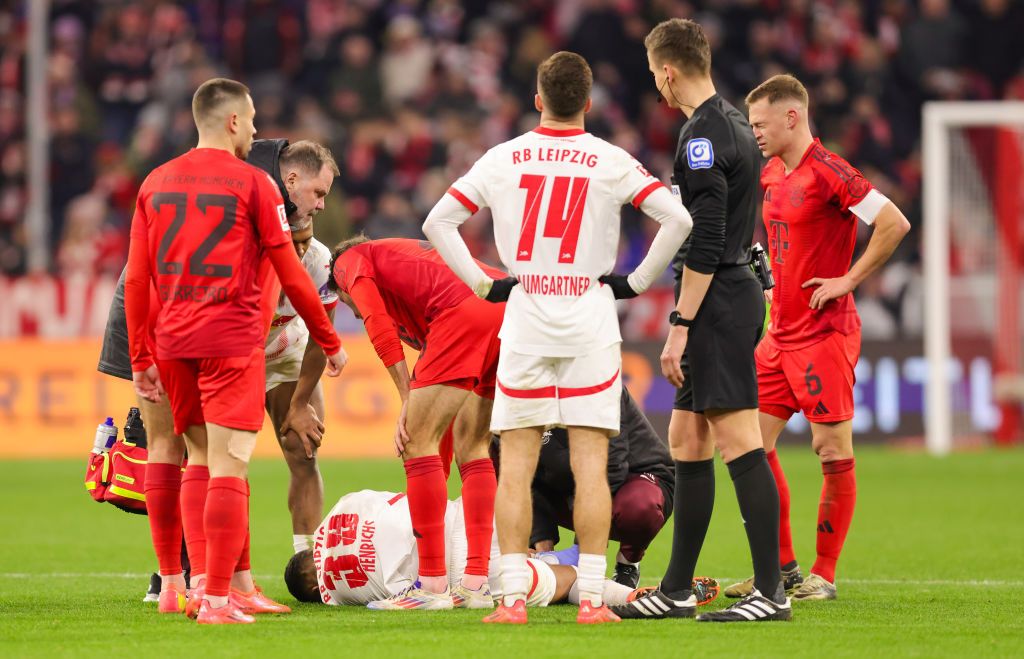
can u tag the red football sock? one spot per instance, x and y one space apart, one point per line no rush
428 498
226 520
835 512
163 490
194 485
243 559
786 555
478 486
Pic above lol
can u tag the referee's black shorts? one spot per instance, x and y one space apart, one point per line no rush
718 364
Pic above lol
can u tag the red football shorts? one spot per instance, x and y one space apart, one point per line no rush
227 391
462 348
817 379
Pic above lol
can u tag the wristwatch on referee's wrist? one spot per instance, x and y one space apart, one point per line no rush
676 319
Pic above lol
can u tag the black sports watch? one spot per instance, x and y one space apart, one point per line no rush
675 318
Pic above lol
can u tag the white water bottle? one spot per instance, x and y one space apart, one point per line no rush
106 435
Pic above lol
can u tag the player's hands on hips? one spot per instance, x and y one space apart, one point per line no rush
336 362
619 285
501 289
401 433
303 421
672 355
147 384
828 289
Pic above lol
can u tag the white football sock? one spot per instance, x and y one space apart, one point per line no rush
216 601
515 578
615 594
591 579
301 542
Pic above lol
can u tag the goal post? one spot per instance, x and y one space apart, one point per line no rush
997 210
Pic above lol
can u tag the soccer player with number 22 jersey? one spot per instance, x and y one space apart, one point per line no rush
205 228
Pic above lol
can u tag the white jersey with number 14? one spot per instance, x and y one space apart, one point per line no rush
556 197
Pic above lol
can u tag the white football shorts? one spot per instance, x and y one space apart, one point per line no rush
558 391
286 366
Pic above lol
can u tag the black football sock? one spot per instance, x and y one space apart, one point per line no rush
694 499
758 497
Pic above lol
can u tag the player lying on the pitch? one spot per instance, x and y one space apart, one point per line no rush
365 551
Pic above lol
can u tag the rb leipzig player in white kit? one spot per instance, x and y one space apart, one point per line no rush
365 551
555 194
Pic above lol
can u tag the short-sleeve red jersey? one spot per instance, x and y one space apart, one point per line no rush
414 282
811 233
206 219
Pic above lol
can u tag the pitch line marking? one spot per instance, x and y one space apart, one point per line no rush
264 577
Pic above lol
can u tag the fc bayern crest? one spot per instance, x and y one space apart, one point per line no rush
796 197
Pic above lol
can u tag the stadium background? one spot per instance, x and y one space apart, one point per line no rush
408 94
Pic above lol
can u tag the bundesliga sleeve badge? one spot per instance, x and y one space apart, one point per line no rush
283 216
699 153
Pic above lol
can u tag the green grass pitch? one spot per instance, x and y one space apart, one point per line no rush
934 566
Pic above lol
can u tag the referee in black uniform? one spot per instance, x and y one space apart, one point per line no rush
709 354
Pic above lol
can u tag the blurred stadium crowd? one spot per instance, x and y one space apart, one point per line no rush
408 93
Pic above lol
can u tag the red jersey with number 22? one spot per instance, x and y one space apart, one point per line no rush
811 233
206 218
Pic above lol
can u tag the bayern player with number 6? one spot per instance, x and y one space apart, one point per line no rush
812 201
555 194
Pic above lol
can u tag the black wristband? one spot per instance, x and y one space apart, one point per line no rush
676 319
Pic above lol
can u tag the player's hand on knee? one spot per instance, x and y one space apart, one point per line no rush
147 384
501 289
336 362
672 355
304 423
619 285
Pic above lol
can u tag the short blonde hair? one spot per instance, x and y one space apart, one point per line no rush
778 87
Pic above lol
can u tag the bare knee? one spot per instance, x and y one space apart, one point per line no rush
295 456
689 440
832 442
165 449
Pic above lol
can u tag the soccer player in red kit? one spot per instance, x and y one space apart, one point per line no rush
205 228
812 201
404 291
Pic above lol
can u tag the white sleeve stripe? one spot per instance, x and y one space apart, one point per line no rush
868 208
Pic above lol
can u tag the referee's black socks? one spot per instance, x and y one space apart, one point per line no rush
694 499
758 497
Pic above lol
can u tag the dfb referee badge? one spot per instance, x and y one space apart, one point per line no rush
699 153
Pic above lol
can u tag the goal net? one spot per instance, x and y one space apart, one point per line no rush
973 258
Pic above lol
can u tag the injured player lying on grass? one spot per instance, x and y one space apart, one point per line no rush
365 551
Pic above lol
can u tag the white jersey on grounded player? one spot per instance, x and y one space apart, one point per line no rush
556 198
287 331
364 550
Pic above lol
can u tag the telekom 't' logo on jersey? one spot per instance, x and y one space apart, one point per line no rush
778 239
564 217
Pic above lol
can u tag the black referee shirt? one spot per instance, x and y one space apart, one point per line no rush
717 169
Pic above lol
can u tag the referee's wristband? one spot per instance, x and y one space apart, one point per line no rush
676 319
